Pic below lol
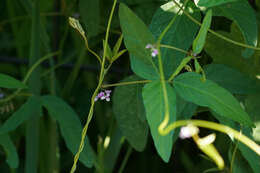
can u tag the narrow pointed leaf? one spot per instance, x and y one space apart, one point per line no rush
206 93
70 127
10 149
199 42
31 108
10 82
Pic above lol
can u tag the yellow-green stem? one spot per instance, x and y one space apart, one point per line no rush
214 126
101 77
126 83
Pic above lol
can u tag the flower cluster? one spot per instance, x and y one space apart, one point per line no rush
154 51
103 95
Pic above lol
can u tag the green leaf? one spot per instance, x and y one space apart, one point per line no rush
90 13
244 16
155 109
199 41
181 34
211 3
117 45
32 107
136 37
70 127
10 82
129 112
231 79
232 57
10 149
108 51
206 93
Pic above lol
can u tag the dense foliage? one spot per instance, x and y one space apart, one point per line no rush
129 86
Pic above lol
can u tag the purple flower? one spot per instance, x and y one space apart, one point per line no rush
154 51
103 95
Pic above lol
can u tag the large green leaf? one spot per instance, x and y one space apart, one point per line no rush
191 87
136 37
199 41
232 57
211 3
70 127
231 79
155 109
32 107
10 82
181 34
244 16
129 112
10 149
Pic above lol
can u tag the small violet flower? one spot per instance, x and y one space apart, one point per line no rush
103 95
154 51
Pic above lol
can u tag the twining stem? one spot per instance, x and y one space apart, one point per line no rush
163 82
174 48
101 77
27 76
126 83
214 126
215 33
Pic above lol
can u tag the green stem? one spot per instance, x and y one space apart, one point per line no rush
214 126
101 77
27 76
32 126
174 48
215 33
233 157
163 82
128 153
126 83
